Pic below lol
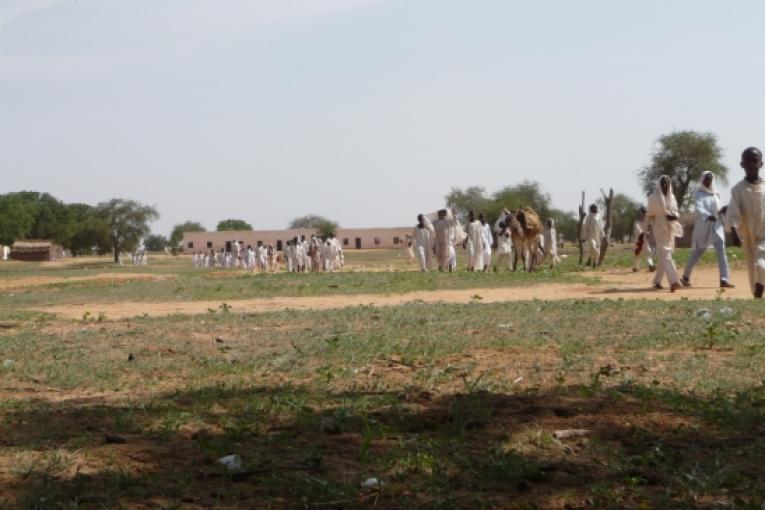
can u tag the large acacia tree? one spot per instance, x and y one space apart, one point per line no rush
683 156
128 222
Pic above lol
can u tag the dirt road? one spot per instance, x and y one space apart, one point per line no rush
611 285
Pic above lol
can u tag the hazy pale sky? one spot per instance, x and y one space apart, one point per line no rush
365 111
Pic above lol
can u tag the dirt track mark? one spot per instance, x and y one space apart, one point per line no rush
612 285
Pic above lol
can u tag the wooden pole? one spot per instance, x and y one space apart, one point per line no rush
582 215
609 224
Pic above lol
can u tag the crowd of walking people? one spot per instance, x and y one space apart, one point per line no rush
435 237
658 227
434 241
299 255
521 236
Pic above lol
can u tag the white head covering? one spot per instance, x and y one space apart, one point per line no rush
711 190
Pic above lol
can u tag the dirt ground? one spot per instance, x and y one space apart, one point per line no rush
615 284
32 281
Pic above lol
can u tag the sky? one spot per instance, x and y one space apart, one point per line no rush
364 111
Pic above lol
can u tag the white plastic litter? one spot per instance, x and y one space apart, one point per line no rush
704 313
505 326
8 363
233 463
727 311
372 483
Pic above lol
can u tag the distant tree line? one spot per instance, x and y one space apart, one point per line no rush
114 226
118 225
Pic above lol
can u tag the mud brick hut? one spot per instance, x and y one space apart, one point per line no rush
36 251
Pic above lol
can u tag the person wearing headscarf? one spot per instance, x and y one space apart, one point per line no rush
746 218
644 241
663 217
708 229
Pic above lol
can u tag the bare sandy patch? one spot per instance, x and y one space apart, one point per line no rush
614 284
33 281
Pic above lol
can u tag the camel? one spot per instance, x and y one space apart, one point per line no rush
525 227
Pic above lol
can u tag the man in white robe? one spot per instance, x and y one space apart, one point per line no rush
746 218
708 229
338 251
592 234
488 241
474 243
422 243
330 263
289 256
664 219
550 243
442 236
452 250
504 244
271 258
298 256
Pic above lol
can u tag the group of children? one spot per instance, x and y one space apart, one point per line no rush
658 226
299 255
436 241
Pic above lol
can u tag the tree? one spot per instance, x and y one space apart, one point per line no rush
17 218
525 194
89 233
92 235
309 221
324 226
327 228
474 198
155 242
34 215
233 224
470 199
683 156
624 214
127 221
176 236
52 218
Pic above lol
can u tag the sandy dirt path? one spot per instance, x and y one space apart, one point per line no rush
612 285
31 281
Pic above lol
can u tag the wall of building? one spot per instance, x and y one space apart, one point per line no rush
350 238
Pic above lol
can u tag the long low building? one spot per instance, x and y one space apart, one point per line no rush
350 238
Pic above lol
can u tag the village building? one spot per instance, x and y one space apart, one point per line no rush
36 251
350 238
